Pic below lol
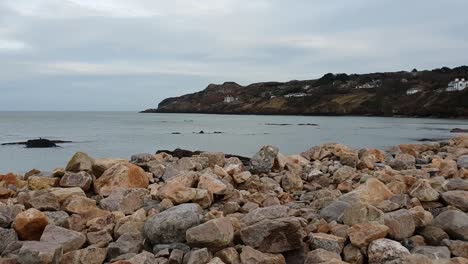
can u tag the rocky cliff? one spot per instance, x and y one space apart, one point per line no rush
380 94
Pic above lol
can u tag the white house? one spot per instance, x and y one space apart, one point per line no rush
230 99
295 95
457 85
413 91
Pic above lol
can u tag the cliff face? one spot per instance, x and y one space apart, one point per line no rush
383 94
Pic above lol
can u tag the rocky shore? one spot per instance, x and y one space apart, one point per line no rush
329 204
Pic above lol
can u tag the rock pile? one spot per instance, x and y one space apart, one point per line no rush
330 204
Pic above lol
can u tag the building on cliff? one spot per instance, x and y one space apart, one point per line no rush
413 91
457 85
230 99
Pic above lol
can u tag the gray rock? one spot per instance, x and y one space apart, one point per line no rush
126 200
458 248
38 252
8 213
385 250
401 224
361 213
170 226
45 202
216 233
263 161
454 222
433 235
127 243
142 158
320 256
80 162
7 236
334 211
457 184
57 218
68 239
432 252
343 173
80 179
199 256
271 212
179 246
328 242
462 161
275 236
457 199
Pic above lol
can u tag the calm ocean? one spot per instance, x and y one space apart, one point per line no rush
121 134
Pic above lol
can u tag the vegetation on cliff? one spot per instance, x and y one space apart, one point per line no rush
382 94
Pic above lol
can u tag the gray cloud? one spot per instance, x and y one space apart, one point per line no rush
128 55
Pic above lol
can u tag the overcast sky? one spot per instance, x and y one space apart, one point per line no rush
130 54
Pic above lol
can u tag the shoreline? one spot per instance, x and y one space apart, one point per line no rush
330 202
150 111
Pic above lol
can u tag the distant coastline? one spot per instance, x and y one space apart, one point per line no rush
428 94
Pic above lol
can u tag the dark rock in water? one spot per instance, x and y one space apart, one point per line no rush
176 133
38 143
183 153
286 124
431 139
459 130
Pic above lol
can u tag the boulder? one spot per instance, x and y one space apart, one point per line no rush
265 213
7 236
423 191
80 179
216 233
264 160
433 235
334 211
80 162
401 224
125 200
432 252
101 165
320 256
63 193
291 182
170 226
46 202
251 256
361 213
352 254
229 255
42 183
123 175
458 199
89 255
210 182
457 247
343 173
275 236
214 158
8 213
68 239
328 242
30 224
39 252
198 256
373 191
462 161
385 250
127 243
361 235
454 222
76 204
